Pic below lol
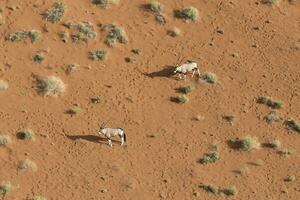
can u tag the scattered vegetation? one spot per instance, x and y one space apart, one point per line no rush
64 36
52 86
84 32
33 35
270 2
27 165
290 178
246 143
180 99
75 110
275 104
71 68
186 89
3 85
161 19
97 55
105 3
5 188
209 77
116 34
210 189
228 118
96 100
38 57
26 135
136 51
174 32
4 140
231 191
273 116
275 144
210 157
155 6
189 13
293 125
55 13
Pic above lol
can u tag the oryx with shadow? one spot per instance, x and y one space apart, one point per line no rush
112 132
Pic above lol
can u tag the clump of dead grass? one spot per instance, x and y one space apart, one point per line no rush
84 31
293 125
38 57
55 13
18 36
39 198
189 13
116 34
272 117
3 85
51 86
182 99
155 6
5 188
270 2
97 55
231 191
71 68
64 36
246 143
268 101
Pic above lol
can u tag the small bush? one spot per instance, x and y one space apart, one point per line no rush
209 77
273 116
27 165
228 118
275 144
38 58
210 188
97 55
155 6
55 13
275 104
116 34
247 143
5 188
136 51
174 32
75 110
290 178
33 35
293 125
3 85
186 89
26 135
52 86
231 191
181 99
105 3
85 31
210 157
4 140
96 100
189 13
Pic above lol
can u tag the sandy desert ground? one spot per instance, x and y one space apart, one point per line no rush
251 47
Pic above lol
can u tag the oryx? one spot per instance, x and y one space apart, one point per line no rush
111 132
190 66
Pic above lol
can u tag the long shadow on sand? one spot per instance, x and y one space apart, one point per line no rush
90 138
167 72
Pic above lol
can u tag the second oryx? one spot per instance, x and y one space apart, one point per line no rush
112 132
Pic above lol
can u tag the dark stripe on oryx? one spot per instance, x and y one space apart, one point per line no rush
124 136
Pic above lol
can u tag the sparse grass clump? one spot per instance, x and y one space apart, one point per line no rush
27 165
116 34
182 99
75 110
84 32
4 140
38 57
290 178
208 77
270 2
55 13
33 35
174 32
26 135
3 85
71 68
231 191
186 89
293 125
136 51
105 3
210 189
273 116
5 188
228 118
275 144
247 143
210 157
96 100
275 104
52 86
189 13
155 6
97 55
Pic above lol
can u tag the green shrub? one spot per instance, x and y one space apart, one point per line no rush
210 157
116 34
33 35
97 55
208 77
181 99
5 188
105 3
84 32
55 13
26 135
189 13
293 125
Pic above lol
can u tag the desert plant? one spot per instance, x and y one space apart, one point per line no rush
228 118
293 125
39 198
97 55
136 51
231 191
209 77
96 100
210 188
26 135
3 85
290 178
174 32
64 36
116 34
270 2
189 13
39 57
51 86
275 104
210 157
155 6
181 99
105 3
247 143
27 165
75 110
33 35
5 188
273 116
186 89
161 19
71 67
68 24
84 32
4 140
55 13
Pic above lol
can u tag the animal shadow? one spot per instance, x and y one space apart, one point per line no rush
167 72
90 138
236 145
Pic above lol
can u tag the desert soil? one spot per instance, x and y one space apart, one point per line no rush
252 48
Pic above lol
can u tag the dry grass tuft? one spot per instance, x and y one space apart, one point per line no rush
51 86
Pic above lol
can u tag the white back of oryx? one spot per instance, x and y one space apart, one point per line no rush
187 67
112 132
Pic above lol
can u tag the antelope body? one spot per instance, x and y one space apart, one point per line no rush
112 132
185 68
